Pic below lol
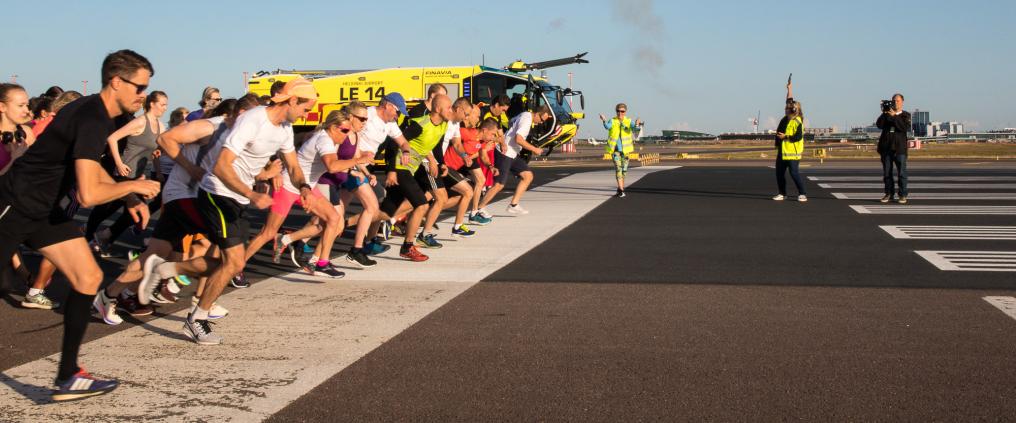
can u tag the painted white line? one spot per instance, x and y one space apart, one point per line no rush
1006 304
930 195
918 185
286 335
971 261
937 210
916 178
1002 233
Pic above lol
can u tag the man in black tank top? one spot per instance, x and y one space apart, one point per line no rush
67 156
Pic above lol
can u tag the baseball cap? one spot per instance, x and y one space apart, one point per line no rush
398 101
299 87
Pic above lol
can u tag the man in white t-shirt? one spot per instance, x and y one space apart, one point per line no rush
508 161
224 193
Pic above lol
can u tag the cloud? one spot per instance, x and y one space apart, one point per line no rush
647 56
640 14
649 59
556 24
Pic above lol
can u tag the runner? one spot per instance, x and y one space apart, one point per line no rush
225 192
125 161
67 155
188 143
316 157
508 160
476 158
449 178
498 111
210 98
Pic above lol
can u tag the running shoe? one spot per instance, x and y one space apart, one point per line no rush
360 259
479 219
886 198
217 312
427 241
621 194
399 229
307 249
103 243
131 306
903 199
239 281
386 230
107 308
374 248
413 254
779 197
802 198
516 209
299 255
182 280
200 331
82 385
483 212
164 294
463 231
133 255
277 248
149 280
39 301
329 271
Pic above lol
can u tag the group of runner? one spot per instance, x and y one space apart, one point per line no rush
209 168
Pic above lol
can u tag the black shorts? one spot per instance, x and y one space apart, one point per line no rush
179 219
223 218
505 164
410 188
36 233
452 178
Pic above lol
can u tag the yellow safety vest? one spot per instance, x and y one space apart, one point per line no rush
790 150
620 130
501 120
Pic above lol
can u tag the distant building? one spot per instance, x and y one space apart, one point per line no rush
821 132
920 121
941 129
687 135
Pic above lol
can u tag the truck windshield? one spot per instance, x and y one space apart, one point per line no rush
562 111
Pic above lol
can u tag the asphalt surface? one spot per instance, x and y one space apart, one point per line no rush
699 298
694 298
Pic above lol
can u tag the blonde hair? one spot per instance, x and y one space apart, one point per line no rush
64 99
795 109
334 118
354 106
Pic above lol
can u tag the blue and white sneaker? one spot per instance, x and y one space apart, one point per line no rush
386 230
82 385
479 219
463 231
427 241
182 280
374 248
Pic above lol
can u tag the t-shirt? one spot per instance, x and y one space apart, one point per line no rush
38 180
425 135
195 115
470 143
375 131
520 127
451 133
310 161
178 182
254 139
419 110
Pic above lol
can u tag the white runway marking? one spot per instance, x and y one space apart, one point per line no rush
916 178
286 335
1004 233
1006 304
918 185
972 261
930 196
939 210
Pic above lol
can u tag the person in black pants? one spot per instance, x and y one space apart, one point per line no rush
790 148
892 147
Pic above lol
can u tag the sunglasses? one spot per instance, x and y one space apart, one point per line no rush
362 119
140 88
620 111
215 99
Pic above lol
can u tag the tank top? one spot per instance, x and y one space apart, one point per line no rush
346 151
139 150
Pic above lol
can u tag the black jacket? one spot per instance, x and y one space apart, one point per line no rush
894 132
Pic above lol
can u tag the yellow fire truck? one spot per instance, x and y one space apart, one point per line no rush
479 83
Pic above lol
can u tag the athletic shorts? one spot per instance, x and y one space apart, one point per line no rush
283 200
409 188
36 233
452 178
505 164
180 218
223 218
353 183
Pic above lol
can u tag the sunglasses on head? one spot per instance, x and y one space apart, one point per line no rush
140 88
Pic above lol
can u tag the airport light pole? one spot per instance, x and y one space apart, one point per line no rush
84 87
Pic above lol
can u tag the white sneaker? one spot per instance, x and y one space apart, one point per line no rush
149 280
802 198
517 209
107 308
217 311
779 197
483 212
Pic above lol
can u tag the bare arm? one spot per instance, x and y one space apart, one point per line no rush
187 133
334 164
134 127
225 172
526 145
95 186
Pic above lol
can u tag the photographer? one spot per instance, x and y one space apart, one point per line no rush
892 146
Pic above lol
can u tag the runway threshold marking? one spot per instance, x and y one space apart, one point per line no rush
287 334
998 233
930 196
971 261
936 210
1006 304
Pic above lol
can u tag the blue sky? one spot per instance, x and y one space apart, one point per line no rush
706 66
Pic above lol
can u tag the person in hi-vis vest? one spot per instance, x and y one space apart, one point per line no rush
620 142
790 147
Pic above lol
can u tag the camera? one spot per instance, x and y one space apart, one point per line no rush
887 105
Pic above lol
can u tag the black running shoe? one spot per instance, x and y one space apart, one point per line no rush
239 281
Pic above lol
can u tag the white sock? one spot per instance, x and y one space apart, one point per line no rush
166 270
286 240
313 259
198 314
33 292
